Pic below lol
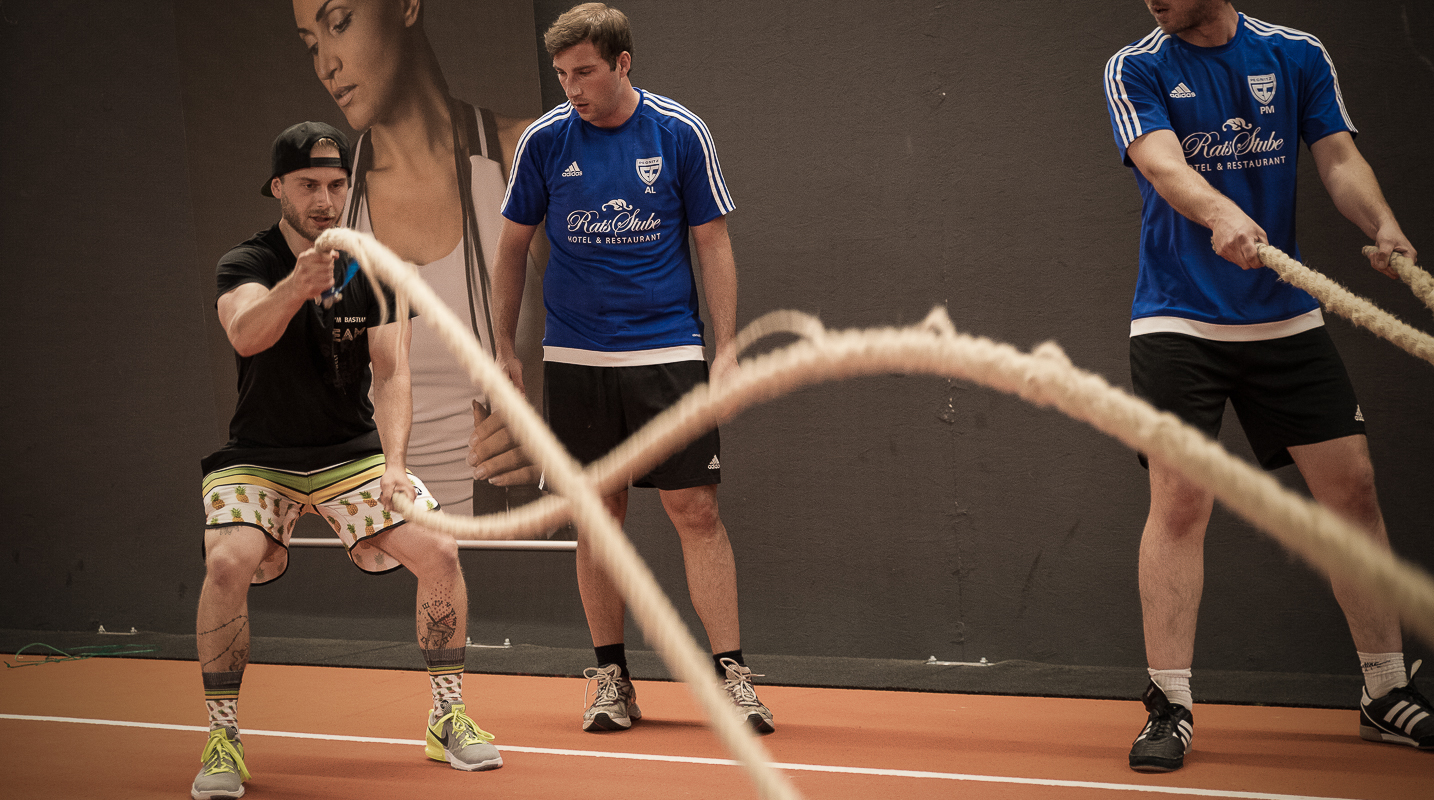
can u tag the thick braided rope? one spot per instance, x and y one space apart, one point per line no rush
1420 281
660 623
1341 301
1044 377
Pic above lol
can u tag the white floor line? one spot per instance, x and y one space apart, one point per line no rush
889 773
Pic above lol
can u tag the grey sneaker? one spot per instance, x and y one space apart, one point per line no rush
744 697
223 773
454 737
614 705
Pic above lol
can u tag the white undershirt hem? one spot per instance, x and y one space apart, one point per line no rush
626 358
1228 333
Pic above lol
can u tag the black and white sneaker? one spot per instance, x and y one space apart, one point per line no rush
1404 716
1162 745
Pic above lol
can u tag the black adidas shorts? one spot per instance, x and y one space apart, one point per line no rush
594 409
1286 392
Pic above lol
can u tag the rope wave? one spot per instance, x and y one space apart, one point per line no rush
1044 377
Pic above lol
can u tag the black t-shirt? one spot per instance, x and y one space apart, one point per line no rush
303 403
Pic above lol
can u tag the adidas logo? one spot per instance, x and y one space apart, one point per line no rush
1358 415
714 463
572 171
1181 91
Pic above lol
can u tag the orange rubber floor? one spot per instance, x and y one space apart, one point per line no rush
130 728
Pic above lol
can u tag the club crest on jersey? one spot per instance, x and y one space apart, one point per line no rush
1262 87
648 169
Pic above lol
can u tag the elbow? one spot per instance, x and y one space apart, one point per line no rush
247 347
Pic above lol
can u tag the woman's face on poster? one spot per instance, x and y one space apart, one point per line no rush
357 47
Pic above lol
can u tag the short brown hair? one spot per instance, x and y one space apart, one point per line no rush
606 27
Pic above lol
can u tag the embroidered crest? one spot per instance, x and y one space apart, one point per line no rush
649 168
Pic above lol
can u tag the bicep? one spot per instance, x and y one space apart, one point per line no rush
233 302
1156 153
711 237
1332 151
388 347
514 239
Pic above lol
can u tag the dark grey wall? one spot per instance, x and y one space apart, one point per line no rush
889 157
885 158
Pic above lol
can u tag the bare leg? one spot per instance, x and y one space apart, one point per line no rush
602 602
707 556
231 555
442 604
1341 477
1172 566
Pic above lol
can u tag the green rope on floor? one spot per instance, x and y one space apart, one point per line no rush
56 655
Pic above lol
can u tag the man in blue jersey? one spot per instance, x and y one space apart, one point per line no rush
1209 109
623 177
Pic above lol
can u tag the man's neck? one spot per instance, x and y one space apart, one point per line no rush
1218 31
626 110
296 240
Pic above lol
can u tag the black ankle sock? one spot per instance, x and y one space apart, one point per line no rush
735 655
613 654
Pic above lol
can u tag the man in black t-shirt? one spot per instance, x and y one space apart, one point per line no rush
306 439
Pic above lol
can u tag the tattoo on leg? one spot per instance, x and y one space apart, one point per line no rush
238 657
441 622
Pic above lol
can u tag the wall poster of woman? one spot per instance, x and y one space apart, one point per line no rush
429 175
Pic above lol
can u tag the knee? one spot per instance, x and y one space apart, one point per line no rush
230 565
695 514
428 553
1180 512
1353 495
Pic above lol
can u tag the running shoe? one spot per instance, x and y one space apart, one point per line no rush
223 773
744 697
454 737
1404 716
1162 745
614 705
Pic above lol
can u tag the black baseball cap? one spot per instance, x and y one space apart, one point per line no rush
292 148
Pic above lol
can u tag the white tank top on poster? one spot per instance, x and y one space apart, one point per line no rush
443 395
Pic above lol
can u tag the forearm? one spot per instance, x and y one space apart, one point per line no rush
393 414
1193 196
510 274
719 283
392 389
1355 191
256 321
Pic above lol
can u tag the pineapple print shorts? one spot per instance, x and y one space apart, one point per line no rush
272 500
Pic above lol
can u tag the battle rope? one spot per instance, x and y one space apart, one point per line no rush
1352 307
660 623
1044 377
1419 280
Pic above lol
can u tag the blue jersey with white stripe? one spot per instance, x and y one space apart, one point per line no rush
1239 111
618 203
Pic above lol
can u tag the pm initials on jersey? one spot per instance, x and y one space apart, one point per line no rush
648 169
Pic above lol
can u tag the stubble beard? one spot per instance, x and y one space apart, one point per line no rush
1206 12
305 226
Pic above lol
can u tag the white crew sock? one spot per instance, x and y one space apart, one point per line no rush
1175 683
1383 672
